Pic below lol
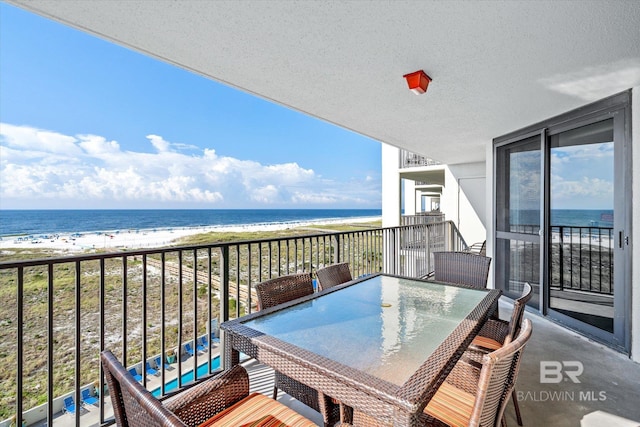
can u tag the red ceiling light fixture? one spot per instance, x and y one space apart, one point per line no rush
418 81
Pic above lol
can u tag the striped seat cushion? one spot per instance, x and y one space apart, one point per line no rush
258 410
484 342
451 405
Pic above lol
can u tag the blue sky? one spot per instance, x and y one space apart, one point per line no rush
85 123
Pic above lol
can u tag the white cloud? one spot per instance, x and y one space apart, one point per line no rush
583 193
157 141
268 194
314 198
582 176
98 146
84 171
37 140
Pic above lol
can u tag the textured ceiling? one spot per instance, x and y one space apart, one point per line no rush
496 66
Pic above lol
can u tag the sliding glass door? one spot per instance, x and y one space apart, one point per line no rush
561 218
519 221
581 234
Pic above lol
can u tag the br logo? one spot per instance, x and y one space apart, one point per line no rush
553 372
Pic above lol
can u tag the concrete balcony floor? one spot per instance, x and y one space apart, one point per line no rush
607 394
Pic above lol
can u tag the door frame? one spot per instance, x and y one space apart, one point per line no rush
617 107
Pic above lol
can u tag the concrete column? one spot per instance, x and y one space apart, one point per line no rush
409 197
390 186
490 210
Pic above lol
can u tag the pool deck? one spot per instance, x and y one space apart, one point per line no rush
187 364
260 380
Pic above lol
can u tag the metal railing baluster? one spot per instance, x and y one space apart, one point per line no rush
209 299
163 320
180 323
144 316
194 302
78 402
20 343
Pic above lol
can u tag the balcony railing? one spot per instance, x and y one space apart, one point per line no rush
411 160
141 304
422 218
581 258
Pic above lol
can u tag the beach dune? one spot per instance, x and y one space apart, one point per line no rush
146 238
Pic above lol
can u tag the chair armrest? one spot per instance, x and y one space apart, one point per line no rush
202 401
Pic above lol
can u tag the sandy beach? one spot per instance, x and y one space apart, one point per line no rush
146 238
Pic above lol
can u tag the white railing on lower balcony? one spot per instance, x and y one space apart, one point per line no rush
422 218
411 160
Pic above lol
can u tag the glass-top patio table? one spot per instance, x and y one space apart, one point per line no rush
382 344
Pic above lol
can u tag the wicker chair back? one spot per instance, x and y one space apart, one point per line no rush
518 313
283 289
133 405
497 379
461 268
333 275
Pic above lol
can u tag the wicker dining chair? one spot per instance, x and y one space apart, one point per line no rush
462 268
222 401
277 291
472 394
333 275
496 333
283 289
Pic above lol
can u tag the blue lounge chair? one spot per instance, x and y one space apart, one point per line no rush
87 398
188 349
150 370
215 331
204 346
69 405
135 375
166 365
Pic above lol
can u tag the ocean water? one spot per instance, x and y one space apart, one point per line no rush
582 217
36 222
566 217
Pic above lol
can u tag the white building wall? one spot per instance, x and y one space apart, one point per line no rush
410 201
390 186
635 218
463 200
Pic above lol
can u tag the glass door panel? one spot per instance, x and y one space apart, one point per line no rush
518 216
581 236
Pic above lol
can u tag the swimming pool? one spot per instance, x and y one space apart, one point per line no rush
188 376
